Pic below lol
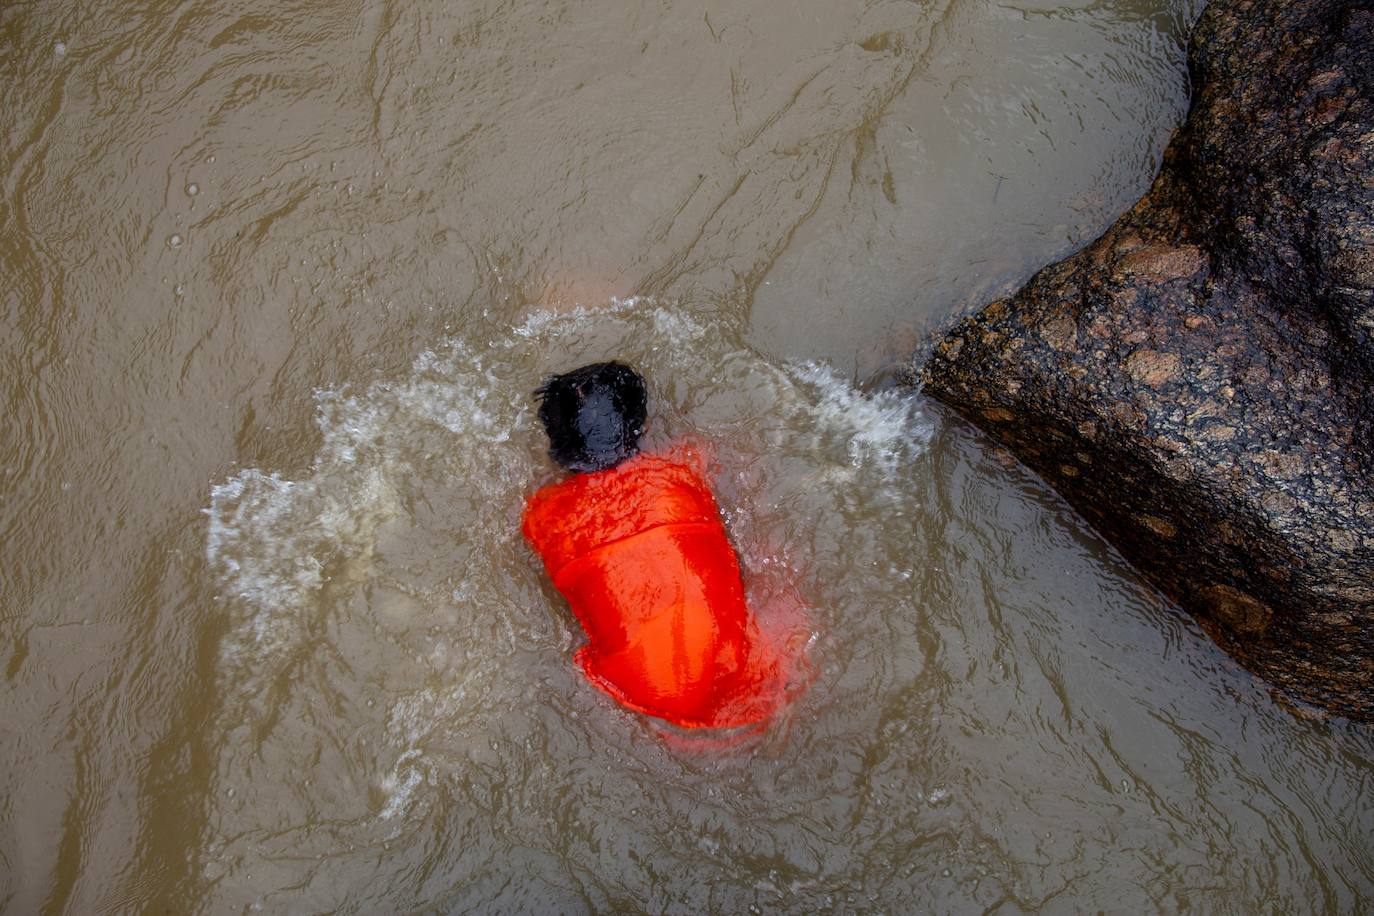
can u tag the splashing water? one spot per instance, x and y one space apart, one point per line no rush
406 726
364 701
387 582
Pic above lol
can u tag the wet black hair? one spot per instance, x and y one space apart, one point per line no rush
594 415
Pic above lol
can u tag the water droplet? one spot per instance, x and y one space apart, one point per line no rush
174 240
350 190
192 189
180 290
60 49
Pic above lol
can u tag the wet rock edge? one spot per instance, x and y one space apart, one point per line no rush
1198 381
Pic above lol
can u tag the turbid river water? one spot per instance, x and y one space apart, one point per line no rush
278 281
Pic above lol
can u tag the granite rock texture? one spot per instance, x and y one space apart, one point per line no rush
1199 382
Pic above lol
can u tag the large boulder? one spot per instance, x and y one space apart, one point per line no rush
1199 382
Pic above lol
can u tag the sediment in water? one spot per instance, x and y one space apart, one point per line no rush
1197 382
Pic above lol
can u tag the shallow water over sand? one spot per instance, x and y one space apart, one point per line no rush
282 277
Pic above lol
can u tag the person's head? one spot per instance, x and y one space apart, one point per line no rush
594 415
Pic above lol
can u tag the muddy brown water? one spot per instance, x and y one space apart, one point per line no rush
278 280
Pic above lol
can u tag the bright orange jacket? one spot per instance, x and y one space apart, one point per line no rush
641 555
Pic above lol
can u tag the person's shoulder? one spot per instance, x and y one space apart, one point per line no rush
677 474
685 455
550 500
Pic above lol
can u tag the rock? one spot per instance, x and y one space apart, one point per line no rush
1199 382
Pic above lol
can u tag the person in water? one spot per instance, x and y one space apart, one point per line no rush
635 544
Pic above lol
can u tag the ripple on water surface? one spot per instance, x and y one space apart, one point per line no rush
404 726
212 208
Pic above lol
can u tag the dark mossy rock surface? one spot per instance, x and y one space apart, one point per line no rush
1199 382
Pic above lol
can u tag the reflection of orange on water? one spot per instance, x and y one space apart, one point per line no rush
567 293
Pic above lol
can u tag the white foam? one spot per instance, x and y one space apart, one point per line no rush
413 716
400 790
539 322
882 430
272 539
677 328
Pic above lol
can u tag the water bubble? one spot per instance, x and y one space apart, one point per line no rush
174 240
60 49
192 189
210 159
350 190
180 290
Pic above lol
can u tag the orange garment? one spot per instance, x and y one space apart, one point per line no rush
641 555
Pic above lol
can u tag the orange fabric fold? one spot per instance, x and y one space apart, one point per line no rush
641 555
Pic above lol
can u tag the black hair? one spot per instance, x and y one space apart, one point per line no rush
594 415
